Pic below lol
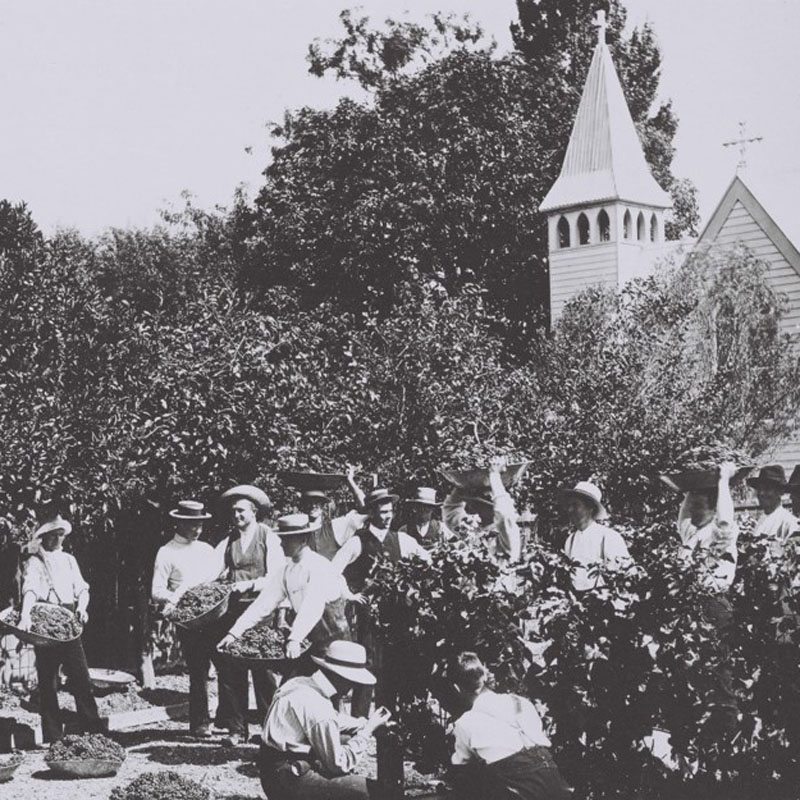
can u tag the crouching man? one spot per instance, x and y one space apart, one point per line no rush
501 751
309 749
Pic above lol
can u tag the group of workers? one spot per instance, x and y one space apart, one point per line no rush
314 569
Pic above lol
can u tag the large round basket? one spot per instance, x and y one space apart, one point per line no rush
478 479
322 481
85 767
212 615
281 665
7 771
698 480
110 679
35 639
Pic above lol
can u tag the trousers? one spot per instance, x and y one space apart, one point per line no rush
199 652
48 661
298 780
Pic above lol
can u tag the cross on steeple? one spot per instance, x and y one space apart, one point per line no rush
601 25
742 143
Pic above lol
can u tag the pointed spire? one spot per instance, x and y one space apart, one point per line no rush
604 160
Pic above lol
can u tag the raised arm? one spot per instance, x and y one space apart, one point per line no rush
505 514
353 486
725 510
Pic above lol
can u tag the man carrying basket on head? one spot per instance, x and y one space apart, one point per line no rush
251 552
53 576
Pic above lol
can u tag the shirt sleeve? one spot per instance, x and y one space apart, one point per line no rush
311 609
410 548
344 527
462 753
219 558
509 540
336 758
347 554
34 580
723 549
79 585
275 555
269 598
616 549
530 724
159 591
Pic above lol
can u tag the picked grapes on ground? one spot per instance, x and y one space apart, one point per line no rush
89 747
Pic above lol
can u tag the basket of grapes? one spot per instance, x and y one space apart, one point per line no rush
89 756
201 605
50 625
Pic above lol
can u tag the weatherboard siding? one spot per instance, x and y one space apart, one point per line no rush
574 269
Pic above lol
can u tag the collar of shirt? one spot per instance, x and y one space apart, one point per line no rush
246 536
422 530
178 539
323 684
379 533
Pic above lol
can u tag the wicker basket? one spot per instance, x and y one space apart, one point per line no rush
85 767
478 479
320 481
7 771
110 679
35 639
281 665
205 619
697 480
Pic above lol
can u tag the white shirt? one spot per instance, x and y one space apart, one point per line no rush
596 544
181 564
344 527
777 526
719 539
504 524
351 550
302 719
59 567
497 726
308 583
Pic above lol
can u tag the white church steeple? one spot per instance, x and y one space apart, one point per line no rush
605 209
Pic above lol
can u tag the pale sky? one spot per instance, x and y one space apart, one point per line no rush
113 107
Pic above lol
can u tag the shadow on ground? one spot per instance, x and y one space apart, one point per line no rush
204 755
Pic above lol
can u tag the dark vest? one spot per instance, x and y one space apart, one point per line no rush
247 565
433 537
372 550
323 541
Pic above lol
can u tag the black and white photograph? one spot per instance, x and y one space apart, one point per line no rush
400 400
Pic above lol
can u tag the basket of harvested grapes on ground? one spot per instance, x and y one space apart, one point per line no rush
161 786
201 605
50 625
90 756
262 646
9 762
698 469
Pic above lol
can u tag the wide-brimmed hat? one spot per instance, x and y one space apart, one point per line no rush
425 497
247 492
296 524
347 659
772 475
794 479
588 491
58 523
379 496
191 510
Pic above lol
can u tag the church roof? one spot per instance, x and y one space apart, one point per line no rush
739 192
604 160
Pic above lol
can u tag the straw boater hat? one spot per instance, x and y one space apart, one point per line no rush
379 496
248 492
587 491
55 524
347 659
772 475
425 497
191 510
296 524
314 494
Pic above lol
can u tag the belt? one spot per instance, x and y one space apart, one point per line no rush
270 757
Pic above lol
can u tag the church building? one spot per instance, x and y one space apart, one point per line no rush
606 212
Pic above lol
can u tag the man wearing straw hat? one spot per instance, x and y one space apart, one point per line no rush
777 524
180 564
590 543
356 560
53 576
421 525
332 533
488 514
309 749
308 582
249 553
